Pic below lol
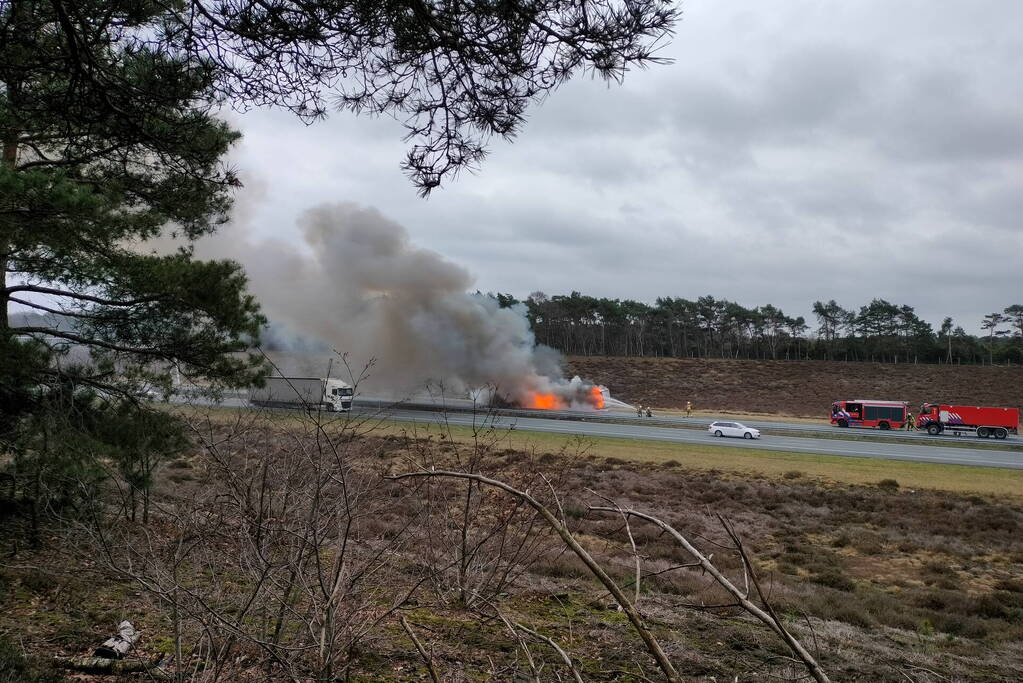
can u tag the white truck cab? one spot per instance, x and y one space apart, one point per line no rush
311 393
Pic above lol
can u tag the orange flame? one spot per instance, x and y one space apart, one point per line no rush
544 402
593 396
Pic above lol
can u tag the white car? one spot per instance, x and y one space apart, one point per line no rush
733 429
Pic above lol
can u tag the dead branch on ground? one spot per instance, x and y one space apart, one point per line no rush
112 667
427 659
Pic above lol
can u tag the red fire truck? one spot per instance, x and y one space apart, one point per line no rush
860 412
984 422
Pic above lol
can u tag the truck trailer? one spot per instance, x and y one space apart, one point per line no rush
310 393
984 422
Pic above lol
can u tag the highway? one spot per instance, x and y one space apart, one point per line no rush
979 457
625 425
779 427
849 433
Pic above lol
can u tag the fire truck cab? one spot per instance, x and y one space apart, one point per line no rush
883 415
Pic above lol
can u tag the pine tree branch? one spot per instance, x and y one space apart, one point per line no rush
55 311
78 339
83 297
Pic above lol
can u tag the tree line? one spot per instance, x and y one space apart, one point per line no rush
709 327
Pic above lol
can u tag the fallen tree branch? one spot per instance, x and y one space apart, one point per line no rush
112 667
419 647
116 647
522 644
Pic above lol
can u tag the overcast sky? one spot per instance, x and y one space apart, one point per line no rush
795 151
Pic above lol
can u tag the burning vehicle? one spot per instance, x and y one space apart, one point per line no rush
575 394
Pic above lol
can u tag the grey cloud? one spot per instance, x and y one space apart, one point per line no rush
804 88
936 115
1000 206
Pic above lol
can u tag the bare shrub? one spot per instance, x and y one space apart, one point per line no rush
867 542
477 542
281 556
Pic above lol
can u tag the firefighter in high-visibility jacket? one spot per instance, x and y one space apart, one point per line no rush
910 422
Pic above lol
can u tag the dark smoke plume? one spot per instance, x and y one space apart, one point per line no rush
359 285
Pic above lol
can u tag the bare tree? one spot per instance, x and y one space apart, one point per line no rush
766 614
558 525
295 535
477 544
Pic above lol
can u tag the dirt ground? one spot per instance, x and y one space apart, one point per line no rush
882 582
796 388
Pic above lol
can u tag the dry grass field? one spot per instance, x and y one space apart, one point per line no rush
795 388
882 581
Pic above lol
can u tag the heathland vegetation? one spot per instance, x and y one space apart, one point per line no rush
290 548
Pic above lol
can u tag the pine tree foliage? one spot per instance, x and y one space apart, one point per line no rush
455 73
89 173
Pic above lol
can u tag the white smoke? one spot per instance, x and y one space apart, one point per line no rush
359 285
